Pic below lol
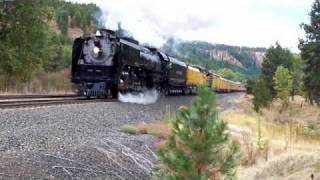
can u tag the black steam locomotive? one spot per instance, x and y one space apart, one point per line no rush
104 64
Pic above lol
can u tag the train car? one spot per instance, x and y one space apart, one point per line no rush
105 64
224 85
216 81
238 87
221 84
177 71
232 86
196 76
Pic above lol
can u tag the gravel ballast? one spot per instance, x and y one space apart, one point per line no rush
82 141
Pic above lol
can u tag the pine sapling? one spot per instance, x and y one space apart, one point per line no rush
198 147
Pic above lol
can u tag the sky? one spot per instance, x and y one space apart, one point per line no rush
253 23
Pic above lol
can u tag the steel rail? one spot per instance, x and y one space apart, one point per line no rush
37 103
33 96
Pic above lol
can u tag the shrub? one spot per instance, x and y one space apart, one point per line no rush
312 125
250 154
283 85
262 95
198 146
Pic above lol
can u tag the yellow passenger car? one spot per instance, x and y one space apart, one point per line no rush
224 85
216 82
238 86
220 84
196 77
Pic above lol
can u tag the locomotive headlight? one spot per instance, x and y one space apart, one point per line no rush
98 33
96 50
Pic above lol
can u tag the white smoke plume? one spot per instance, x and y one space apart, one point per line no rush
243 22
147 97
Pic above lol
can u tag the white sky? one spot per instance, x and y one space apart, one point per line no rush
254 23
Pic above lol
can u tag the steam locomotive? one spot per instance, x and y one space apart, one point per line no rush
105 64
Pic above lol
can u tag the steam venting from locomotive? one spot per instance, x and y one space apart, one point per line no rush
146 97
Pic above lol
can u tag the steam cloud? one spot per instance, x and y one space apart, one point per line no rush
244 22
147 97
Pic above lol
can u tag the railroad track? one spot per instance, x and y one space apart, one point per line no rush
10 102
33 96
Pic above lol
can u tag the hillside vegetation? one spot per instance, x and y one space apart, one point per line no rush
277 145
35 42
233 62
274 145
283 124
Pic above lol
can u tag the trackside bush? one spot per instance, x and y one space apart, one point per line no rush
198 147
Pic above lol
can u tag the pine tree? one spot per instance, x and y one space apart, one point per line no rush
310 53
24 38
296 74
275 56
28 44
283 85
261 95
198 147
263 89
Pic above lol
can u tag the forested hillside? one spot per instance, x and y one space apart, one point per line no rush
36 40
234 62
34 37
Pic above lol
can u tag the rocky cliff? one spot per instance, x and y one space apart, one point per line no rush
224 55
245 60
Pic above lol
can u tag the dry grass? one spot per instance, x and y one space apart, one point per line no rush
157 128
160 129
298 111
288 166
291 148
42 83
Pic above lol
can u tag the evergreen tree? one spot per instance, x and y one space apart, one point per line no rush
275 56
249 86
263 89
283 85
28 44
198 147
261 94
310 53
24 38
296 74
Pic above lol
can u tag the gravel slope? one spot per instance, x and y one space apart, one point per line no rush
82 141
